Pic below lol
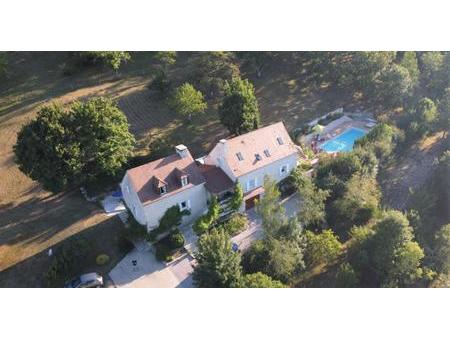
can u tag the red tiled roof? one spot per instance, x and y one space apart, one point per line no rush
256 142
216 180
168 170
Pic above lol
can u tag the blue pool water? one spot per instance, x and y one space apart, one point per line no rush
344 141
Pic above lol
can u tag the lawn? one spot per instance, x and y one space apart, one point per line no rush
33 220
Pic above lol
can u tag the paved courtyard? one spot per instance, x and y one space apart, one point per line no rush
140 268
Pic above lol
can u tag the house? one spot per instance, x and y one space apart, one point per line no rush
248 158
149 190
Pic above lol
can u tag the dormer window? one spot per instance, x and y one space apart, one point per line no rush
280 140
239 156
258 157
266 152
184 181
162 189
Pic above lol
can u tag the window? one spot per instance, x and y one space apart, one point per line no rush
185 205
266 152
184 181
258 157
239 156
251 184
280 140
284 169
163 189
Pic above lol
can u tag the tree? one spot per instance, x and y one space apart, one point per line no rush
271 210
85 144
381 139
285 259
209 71
357 206
172 218
112 59
409 61
435 73
237 198
323 247
236 224
388 255
217 265
45 152
442 245
444 112
333 173
205 222
188 101
393 85
256 60
346 276
259 280
312 205
166 58
422 119
239 110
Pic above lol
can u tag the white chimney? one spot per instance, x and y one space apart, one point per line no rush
182 150
223 142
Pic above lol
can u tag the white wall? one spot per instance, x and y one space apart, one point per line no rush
196 196
272 170
214 157
132 200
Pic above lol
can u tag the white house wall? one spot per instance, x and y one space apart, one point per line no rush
132 200
197 199
272 170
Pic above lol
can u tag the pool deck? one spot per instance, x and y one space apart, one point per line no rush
339 126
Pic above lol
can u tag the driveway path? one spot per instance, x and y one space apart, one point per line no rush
148 272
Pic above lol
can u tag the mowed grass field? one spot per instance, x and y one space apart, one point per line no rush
33 220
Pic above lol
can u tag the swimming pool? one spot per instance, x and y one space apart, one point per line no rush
344 141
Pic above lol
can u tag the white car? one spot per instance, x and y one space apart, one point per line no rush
88 280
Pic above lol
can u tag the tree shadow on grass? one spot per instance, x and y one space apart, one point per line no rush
101 238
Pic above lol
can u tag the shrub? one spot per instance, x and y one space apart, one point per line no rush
171 219
322 248
235 224
163 252
102 259
160 82
176 239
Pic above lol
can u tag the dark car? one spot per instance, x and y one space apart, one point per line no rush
88 280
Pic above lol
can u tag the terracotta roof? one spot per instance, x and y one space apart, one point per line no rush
165 170
258 148
216 180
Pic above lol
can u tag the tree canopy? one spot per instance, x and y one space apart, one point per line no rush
259 280
112 59
63 149
188 101
239 110
217 265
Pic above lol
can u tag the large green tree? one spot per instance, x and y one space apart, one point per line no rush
86 143
435 72
323 247
239 110
394 85
259 280
188 101
217 265
312 200
357 206
388 255
209 71
113 59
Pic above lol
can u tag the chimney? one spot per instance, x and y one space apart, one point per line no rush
182 150
223 142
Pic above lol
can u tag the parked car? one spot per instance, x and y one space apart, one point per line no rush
88 280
